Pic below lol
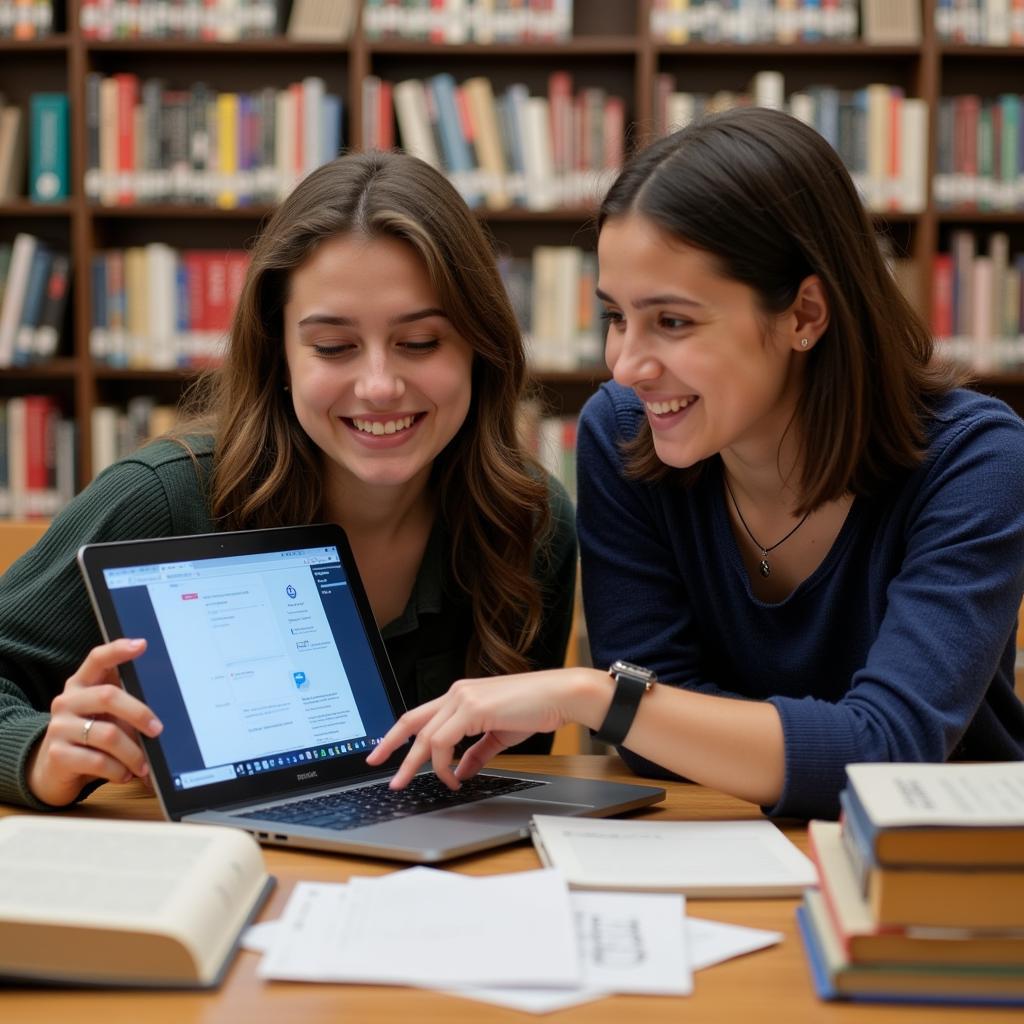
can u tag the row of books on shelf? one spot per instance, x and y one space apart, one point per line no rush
979 293
513 149
25 19
979 160
921 886
157 307
214 20
154 307
754 21
552 293
148 143
980 22
880 133
34 158
117 431
551 440
34 286
469 21
37 457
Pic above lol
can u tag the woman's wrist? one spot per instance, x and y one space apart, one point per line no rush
588 696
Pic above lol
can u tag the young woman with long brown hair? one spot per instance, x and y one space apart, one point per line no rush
371 379
804 537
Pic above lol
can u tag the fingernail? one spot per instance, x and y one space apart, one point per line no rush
154 727
135 644
143 771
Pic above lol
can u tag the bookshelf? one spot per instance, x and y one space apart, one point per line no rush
612 47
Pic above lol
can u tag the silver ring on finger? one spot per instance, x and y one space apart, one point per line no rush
86 728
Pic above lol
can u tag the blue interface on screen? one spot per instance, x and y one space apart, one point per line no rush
254 662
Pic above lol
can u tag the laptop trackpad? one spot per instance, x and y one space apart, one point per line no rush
508 811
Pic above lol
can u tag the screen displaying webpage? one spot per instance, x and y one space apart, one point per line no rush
256 659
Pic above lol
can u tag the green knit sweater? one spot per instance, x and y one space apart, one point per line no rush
47 625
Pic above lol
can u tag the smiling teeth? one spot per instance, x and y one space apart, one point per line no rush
376 427
672 405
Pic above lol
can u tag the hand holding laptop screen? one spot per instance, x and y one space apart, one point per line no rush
93 729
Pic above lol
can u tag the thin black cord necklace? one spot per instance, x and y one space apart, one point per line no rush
765 568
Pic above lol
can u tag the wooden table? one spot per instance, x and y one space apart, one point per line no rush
771 985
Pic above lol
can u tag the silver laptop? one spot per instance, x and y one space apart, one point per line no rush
267 669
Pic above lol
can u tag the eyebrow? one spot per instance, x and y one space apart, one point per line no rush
347 321
652 300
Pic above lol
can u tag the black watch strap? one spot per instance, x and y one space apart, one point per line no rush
631 683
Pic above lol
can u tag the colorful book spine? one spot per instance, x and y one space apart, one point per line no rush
49 172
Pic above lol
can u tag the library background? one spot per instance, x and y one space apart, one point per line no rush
142 142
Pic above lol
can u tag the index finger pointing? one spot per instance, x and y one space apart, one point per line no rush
402 731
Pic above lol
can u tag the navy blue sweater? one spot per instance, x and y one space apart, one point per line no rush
899 647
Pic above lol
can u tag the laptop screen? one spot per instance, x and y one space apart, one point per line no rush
254 642
263 658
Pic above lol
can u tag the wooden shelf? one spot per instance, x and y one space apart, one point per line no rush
27 208
986 52
143 376
179 211
56 43
1008 378
584 46
53 369
571 214
794 51
981 216
273 46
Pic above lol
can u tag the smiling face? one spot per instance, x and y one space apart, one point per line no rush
694 346
380 379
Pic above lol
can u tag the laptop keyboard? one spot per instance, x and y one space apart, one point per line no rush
371 805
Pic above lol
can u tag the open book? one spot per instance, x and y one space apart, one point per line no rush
699 858
88 901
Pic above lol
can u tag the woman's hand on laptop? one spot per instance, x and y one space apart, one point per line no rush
93 730
504 709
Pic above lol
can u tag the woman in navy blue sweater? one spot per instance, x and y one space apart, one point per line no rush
807 540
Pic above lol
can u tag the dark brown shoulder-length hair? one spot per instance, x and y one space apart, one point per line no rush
267 471
771 202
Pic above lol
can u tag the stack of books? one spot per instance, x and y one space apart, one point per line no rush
921 894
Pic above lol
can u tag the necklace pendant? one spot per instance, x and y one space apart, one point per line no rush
765 569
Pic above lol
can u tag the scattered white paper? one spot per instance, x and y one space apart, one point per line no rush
502 929
629 943
712 942
258 938
513 929
303 946
529 1000
633 942
640 943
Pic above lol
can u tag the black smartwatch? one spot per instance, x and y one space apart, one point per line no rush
631 683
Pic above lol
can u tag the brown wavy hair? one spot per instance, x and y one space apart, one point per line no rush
771 202
491 494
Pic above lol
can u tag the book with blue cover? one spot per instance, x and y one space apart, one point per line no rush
835 978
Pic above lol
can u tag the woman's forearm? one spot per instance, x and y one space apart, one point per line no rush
736 746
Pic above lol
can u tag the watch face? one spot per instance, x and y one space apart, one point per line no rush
627 668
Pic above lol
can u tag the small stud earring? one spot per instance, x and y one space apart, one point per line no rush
804 342
285 387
